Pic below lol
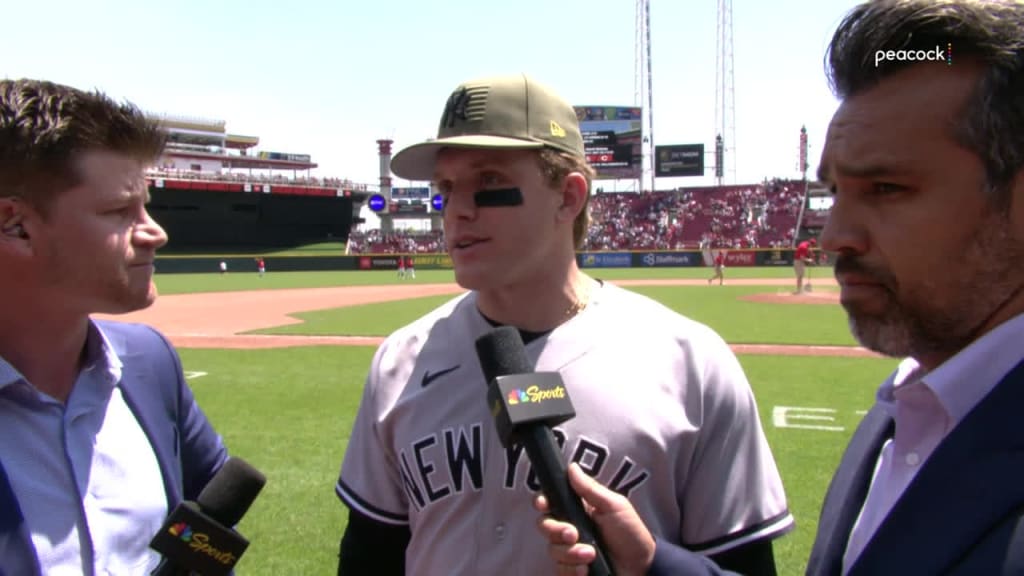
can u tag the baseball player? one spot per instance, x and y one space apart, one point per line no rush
410 267
719 268
801 258
401 267
665 414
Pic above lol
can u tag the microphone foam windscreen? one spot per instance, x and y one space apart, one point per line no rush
231 491
502 352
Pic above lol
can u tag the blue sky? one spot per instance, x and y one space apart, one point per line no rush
329 78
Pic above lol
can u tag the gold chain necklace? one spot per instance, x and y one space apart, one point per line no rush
577 306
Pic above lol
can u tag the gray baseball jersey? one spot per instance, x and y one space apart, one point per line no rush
665 415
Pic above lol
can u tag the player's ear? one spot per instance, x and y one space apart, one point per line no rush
574 197
13 224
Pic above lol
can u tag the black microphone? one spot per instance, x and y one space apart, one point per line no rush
197 537
525 406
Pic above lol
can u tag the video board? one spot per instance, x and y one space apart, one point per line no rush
612 140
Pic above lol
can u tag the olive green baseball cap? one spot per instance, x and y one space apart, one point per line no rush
512 112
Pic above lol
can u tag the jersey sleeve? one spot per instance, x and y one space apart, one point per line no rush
369 480
733 494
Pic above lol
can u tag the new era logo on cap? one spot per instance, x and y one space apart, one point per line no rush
514 112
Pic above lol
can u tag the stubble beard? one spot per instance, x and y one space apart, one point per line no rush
940 317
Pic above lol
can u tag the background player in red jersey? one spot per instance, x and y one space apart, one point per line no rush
719 268
801 258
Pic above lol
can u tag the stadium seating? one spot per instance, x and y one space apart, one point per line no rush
761 215
397 242
745 216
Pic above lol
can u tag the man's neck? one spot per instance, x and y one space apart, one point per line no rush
538 304
1008 310
46 350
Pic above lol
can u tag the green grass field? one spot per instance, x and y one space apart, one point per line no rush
289 411
318 249
232 281
739 322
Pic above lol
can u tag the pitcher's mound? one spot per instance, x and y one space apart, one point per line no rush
791 298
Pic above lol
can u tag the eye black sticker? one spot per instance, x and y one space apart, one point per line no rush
499 197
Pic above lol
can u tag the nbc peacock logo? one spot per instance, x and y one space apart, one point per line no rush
516 396
181 530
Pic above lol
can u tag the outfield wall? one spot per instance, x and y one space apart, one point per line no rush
625 259
683 259
200 219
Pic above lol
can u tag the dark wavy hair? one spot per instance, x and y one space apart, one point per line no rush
988 32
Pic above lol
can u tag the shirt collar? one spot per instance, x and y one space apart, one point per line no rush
100 352
8 374
99 356
962 381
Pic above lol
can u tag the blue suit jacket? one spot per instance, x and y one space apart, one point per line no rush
186 446
962 514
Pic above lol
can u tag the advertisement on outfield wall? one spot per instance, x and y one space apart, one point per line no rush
666 259
605 260
612 140
432 261
378 263
775 258
740 258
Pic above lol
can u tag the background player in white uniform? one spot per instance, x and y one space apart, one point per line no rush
664 412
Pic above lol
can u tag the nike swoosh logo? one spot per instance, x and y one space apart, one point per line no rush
428 377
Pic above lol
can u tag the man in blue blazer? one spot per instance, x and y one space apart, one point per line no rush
99 434
925 159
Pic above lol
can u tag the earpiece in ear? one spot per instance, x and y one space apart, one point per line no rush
16 231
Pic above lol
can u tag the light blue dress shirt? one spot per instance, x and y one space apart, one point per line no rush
84 473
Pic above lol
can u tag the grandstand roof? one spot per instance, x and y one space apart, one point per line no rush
239 161
239 142
189 123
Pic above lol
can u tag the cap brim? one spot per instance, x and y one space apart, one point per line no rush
416 162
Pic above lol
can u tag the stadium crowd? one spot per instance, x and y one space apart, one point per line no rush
745 216
397 242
